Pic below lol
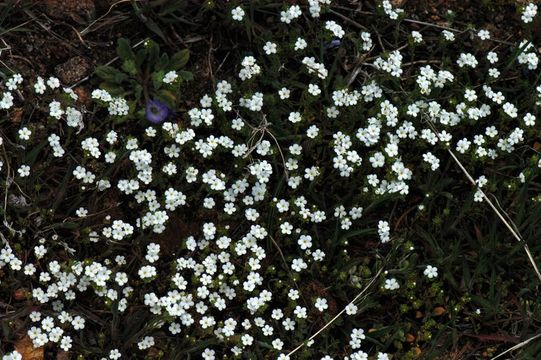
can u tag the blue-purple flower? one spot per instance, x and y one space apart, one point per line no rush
156 111
332 44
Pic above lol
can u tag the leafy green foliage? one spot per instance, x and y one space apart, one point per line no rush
140 76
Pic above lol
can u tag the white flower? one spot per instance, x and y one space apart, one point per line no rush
384 231
467 59
321 304
314 89
483 34
237 13
335 29
492 57
24 133
351 309
147 272
417 37
529 13
284 93
78 323
300 44
299 265
24 170
39 86
510 110
294 117
391 284
53 82
529 119
170 77
448 35
270 48
431 271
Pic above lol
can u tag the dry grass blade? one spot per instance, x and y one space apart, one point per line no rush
337 315
508 223
517 346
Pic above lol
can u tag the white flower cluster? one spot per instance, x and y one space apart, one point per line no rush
391 12
256 174
116 106
249 68
392 64
529 12
292 13
527 55
335 29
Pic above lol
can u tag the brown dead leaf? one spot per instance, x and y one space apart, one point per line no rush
26 349
438 310
83 94
63 355
16 115
21 294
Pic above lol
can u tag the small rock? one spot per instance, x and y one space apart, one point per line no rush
73 70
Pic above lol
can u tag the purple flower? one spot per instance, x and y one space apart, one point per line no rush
156 111
334 43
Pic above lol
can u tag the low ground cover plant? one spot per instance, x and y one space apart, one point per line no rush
283 214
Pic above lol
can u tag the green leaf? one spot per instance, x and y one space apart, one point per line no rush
153 51
163 64
112 88
185 75
110 74
30 157
152 26
129 67
140 57
180 59
167 97
124 49
157 78
138 91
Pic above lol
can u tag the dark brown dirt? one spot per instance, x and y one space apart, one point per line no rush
76 10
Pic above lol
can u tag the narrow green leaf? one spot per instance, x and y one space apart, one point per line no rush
180 59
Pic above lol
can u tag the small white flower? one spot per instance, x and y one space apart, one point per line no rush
417 37
170 77
391 284
321 304
284 93
351 309
294 117
24 133
431 271
237 13
270 48
483 34
24 170
314 89
300 44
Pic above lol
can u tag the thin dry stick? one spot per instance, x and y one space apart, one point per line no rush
263 129
337 315
85 30
517 346
511 228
